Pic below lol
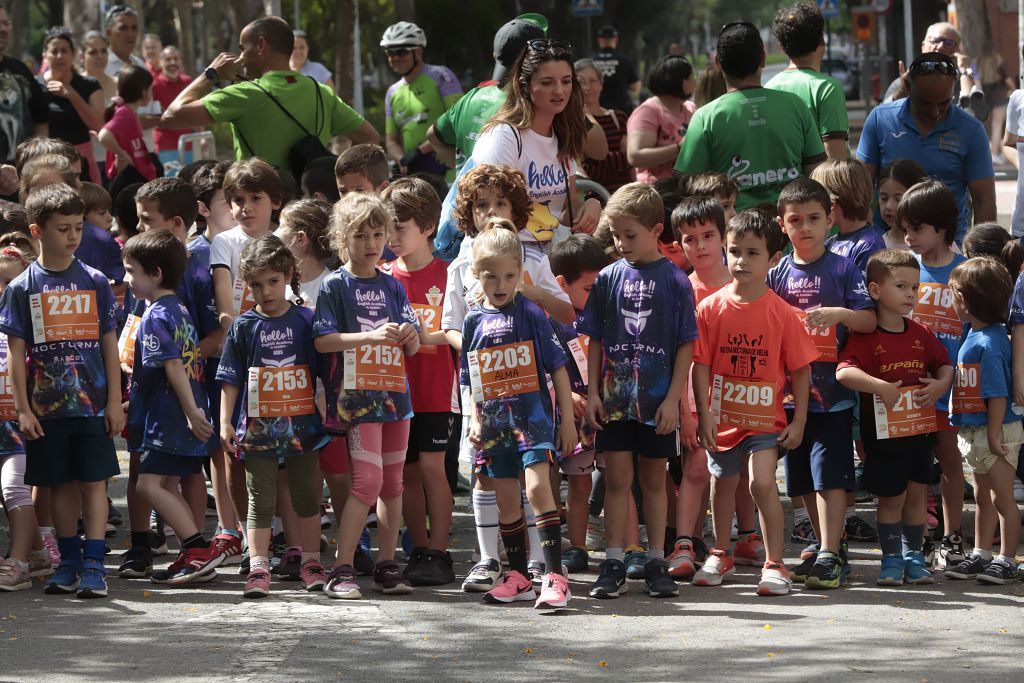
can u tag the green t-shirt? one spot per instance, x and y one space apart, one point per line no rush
760 138
269 132
461 125
822 94
411 108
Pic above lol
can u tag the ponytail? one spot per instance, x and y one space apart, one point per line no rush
991 239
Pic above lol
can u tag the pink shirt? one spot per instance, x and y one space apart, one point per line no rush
669 126
128 132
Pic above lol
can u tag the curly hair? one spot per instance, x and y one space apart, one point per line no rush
507 182
354 212
800 29
269 253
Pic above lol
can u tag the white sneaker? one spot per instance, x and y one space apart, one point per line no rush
718 566
775 580
482 577
1018 490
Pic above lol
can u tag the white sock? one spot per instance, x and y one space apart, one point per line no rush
800 515
259 561
485 514
536 552
46 531
1006 560
983 554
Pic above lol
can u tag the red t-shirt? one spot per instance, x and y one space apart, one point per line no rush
749 347
431 370
164 91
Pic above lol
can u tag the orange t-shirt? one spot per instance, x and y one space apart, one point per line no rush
749 347
701 291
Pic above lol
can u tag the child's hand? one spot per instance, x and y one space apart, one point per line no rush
579 406
707 431
386 333
406 333
29 425
995 440
596 414
823 318
792 436
531 292
890 393
688 431
228 439
933 390
126 369
123 161
113 416
199 424
474 433
666 418
566 439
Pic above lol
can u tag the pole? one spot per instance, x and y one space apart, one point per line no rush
828 44
908 32
357 65
298 18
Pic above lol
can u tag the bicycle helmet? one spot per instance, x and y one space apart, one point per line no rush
404 34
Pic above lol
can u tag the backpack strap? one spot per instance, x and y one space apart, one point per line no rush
317 110
519 140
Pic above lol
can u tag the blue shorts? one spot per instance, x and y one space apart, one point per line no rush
168 464
824 460
71 449
510 465
212 387
729 463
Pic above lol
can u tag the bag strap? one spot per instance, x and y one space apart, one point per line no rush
316 113
519 140
568 193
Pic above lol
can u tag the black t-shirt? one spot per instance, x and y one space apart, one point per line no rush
65 122
22 104
618 73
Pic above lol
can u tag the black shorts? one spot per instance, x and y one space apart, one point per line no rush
824 460
637 438
429 433
212 387
890 463
152 461
71 449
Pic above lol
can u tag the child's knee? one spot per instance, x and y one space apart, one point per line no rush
391 483
17 495
367 481
261 511
761 489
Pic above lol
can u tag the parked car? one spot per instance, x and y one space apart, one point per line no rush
845 70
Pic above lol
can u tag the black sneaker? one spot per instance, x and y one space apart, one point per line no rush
113 516
611 580
657 582
291 565
999 572
928 550
968 568
803 532
845 568
136 563
434 568
808 556
157 542
859 530
951 551
243 566
363 563
827 572
415 557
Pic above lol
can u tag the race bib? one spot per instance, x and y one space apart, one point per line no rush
241 297
967 389
280 392
824 340
503 371
747 404
430 321
64 316
126 342
906 418
7 411
579 347
375 367
935 311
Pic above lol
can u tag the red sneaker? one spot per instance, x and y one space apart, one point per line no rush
230 546
195 563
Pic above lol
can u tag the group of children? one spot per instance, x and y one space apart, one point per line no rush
292 344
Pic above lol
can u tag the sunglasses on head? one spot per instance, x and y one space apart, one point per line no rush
549 46
939 67
398 51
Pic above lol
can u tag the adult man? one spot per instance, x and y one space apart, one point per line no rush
761 138
24 108
168 83
621 82
152 47
260 126
414 102
122 25
949 143
800 30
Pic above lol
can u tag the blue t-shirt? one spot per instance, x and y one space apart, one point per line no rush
858 246
568 338
62 317
511 423
641 315
1017 302
830 281
956 152
950 341
988 347
352 304
98 249
155 416
11 442
196 288
274 414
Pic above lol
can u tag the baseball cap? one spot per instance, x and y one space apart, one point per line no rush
607 31
511 38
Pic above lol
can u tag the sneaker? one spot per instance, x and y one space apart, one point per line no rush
535 570
211 506
258 584
50 543
749 551
110 530
39 563
595 534
554 592
808 556
719 565
514 588
341 583
681 564
951 551
826 571
230 546
388 579
611 580
928 550
892 571
482 577
243 566
92 580
636 559
775 580
915 571
190 564
290 567
859 530
845 568
313 575
136 563
14 577
576 559
64 579
415 557
1018 490
325 520
157 542
434 568
700 552
968 568
932 515
999 572
657 582
113 516
803 532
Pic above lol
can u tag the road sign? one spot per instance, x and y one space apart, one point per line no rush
864 24
882 6
590 8
829 8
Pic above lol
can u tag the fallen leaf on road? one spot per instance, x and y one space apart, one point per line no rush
900 602
146 594
426 638
771 654
767 627
830 621
1004 630
602 664
527 650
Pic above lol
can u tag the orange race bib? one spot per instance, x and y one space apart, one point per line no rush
824 340
579 348
935 311
747 404
241 297
430 321
126 342
7 411
503 371
375 367
906 418
64 316
967 389
280 392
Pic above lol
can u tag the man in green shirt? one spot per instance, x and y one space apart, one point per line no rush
760 138
800 31
260 128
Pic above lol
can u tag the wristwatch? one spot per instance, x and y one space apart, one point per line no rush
211 74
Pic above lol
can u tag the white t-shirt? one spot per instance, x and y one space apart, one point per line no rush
1015 126
226 250
311 290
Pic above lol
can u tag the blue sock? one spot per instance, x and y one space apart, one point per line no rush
890 538
70 549
94 549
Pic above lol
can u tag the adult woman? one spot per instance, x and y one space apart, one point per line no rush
76 101
710 86
997 85
95 49
539 130
299 61
614 171
656 128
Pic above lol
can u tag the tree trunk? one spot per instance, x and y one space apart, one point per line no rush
186 39
406 10
17 12
344 25
972 22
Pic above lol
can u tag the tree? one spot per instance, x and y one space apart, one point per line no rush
972 22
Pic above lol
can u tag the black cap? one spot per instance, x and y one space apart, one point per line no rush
511 38
607 31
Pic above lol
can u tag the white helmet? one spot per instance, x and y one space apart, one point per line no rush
405 34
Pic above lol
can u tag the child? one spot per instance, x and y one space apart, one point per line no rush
304 230
128 158
125 215
928 214
98 248
68 399
417 209
990 423
829 293
364 319
362 168
214 210
168 407
718 186
97 205
640 320
893 180
993 240
748 339
269 355
849 184
576 261
318 180
45 169
903 367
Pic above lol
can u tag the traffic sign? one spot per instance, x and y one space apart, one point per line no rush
882 6
829 8
589 8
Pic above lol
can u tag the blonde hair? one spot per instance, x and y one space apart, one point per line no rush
492 245
849 183
354 212
638 201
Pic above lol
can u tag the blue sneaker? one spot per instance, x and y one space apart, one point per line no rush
915 570
364 541
92 582
636 560
64 579
407 545
892 571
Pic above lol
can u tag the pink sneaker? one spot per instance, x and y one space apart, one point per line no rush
258 584
50 541
513 588
681 563
749 551
554 592
312 575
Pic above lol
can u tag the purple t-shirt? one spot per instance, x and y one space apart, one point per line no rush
11 442
98 249
858 246
196 289
830 281
62 317
641 315
1017 302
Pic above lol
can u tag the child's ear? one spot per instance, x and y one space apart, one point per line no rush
35 230
179 223
380 188
658 229
874 291
776 257
204 210
562 283
782 222
320 196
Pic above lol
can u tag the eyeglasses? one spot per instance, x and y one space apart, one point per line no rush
550 46
937 67
944 42
733 24
398 51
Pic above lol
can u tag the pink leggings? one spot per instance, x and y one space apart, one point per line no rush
377 450
16 493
